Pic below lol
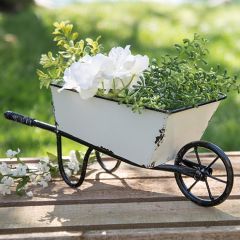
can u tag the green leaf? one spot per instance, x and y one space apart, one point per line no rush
78 156
20 188
52 157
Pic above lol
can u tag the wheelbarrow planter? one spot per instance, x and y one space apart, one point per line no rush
146 140
149 139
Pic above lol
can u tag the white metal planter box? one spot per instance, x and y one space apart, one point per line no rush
150 138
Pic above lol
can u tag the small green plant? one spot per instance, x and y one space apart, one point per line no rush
181 80
171 82
71 49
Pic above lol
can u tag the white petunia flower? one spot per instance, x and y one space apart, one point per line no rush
11 154
21 170
4 169
126 67
84 75
4 189
117 70
8 181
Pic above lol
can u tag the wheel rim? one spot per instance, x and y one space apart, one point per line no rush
214 179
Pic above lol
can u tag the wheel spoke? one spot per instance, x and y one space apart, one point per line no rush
208 188
198 158
212 162
190 188
217 179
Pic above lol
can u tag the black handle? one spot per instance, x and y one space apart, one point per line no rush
19 118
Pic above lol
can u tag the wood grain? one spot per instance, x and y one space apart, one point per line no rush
132 203
186 233
117 216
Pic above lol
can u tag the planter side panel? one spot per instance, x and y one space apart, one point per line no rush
109 125
182 128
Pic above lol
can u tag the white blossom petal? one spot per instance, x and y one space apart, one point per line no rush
29 194
118 70
48 177
10 153
20 170
43 183
141 64
43 167
4 189
88 93
4 169
8 181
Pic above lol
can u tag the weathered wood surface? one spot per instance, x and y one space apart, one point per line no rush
132 203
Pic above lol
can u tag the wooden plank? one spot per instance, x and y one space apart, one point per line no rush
186 233
230 154
116 216
103 187
61 235
132 203
111 190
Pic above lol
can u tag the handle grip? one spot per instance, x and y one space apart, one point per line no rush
19 118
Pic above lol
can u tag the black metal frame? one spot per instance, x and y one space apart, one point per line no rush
182 166
186 170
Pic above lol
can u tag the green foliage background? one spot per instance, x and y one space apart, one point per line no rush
149 28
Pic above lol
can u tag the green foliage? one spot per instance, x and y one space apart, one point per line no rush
70 50
179 80
20 188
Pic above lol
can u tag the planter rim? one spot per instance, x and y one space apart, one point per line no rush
221 97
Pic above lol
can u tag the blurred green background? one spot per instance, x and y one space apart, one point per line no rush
150 28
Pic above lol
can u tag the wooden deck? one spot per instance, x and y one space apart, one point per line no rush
132 203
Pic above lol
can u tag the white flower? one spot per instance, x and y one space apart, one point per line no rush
4 189
117 70
20 170
33 179
126 67
43 167
48 177
73 162
43 183
84 76
8 181
45 160
29 194
68 172
10 153
4 169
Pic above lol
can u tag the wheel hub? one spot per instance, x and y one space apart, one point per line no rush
202 173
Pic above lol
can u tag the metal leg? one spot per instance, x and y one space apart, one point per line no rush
73 184
102 164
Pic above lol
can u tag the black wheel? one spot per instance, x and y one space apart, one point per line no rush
109 169
214 176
